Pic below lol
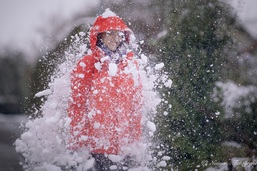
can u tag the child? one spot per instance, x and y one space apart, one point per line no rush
106 98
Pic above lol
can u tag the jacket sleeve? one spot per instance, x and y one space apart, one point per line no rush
81 79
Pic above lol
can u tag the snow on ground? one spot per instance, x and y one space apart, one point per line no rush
238 164
247 14
232 94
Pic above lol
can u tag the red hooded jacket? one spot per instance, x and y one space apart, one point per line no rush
105 110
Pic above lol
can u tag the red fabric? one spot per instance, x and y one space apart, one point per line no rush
105 110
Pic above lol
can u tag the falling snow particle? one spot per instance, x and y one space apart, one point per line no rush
159 66
113 167
43 93
115 158
166 158
162 164
113 68
151 126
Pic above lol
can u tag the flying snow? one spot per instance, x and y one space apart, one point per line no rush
113 68
108 13
159 66
45 141
43 93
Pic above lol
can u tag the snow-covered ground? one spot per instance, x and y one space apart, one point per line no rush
247 14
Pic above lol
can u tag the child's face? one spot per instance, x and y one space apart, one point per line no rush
112 39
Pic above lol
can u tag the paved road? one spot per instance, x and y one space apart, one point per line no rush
9 131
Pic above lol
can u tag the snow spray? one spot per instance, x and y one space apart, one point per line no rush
44 142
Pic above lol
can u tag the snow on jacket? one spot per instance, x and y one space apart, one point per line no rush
106 99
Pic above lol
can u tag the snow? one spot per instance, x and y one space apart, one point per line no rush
97 125
165 113
243 163
166 158
232 144
82 64
144 59
162 164
221 167
232 94
115 158
45 143
43 93
162 34
113 167
89 164
98 66
108 13
168 83
113 68
139 169
151 126
159 66
104 58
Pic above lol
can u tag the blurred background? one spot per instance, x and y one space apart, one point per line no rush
209 49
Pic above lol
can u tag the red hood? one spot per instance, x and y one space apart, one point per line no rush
103 24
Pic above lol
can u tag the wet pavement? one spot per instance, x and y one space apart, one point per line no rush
9 132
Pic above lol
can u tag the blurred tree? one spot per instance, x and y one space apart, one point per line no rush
240 124
195 51
14 76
